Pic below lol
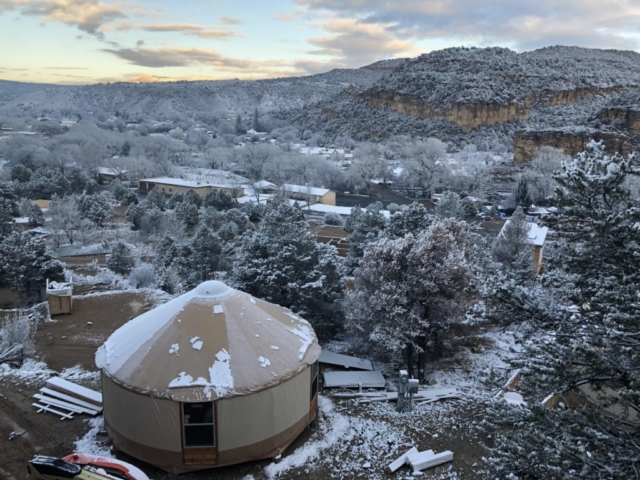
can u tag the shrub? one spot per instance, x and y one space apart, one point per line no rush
142 276
332 218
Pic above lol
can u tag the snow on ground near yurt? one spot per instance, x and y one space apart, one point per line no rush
356 440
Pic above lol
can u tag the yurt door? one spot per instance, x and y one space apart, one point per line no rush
199 440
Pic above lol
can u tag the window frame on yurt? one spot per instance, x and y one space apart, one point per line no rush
186 425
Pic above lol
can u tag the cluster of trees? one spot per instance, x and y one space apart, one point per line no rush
580 318
25 261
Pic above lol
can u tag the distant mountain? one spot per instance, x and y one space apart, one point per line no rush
484 96
188 98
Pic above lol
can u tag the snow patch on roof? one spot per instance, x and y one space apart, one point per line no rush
306 335
220 373
218 309
196 343
264 362
174 348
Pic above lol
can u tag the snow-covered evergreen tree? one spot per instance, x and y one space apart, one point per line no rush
511 248
584 343
411 219
26 263
199 259
411 290
95 208
282 263
187 214
449 206
135 212
157 198
192 197
121 259
365 227
219 199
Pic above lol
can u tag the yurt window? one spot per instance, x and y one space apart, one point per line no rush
314 380
198 424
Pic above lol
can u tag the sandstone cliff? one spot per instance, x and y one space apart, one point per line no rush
624 118
466 115
526 142
564 97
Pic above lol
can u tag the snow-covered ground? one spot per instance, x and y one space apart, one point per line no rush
356 440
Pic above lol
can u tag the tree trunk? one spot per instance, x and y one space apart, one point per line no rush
410 360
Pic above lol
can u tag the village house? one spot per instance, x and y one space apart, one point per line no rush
109 174
310 194
170 186
536 238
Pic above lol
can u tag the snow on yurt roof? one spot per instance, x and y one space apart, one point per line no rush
212 342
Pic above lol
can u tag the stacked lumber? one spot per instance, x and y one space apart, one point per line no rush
423 396
420 460
66 399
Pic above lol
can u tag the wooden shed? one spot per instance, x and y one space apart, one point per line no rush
60 297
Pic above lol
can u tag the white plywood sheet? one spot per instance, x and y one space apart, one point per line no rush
345 361
354 379
60 384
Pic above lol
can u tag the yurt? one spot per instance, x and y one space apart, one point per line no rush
213 377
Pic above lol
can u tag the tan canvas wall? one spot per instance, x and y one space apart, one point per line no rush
144 420
247 420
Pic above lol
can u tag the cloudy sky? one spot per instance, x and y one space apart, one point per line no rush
89 41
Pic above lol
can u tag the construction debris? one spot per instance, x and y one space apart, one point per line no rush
81 393
64 398
401 460
373 379
345 361
423 396
423 460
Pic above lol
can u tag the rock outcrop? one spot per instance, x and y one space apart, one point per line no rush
466 115
623 118
526 142
566 97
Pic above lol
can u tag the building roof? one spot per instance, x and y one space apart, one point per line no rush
305 189
264 184
212 342
537 234
110 171
179 182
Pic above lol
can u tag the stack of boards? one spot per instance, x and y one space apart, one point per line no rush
420 460
66 399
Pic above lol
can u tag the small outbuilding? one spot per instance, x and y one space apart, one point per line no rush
214 377
60 297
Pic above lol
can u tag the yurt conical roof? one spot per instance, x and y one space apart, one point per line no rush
212 342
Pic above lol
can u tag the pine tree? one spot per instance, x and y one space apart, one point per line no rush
203 257
134 214
26 263
36 217
95 208
219 199
192 197
512 242
411 290
412 219
365 227
156 197
449 206
121 259
521 192
282 263
187 214
583 339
